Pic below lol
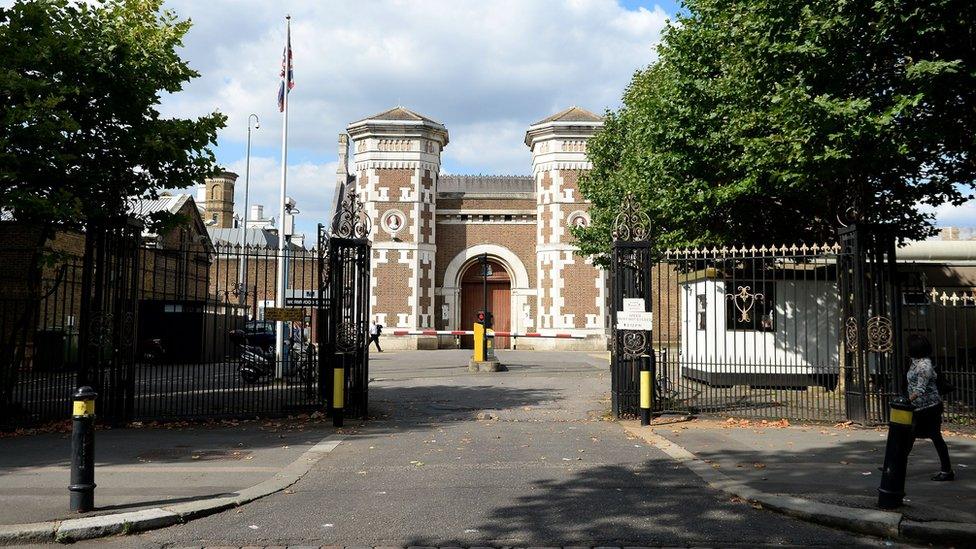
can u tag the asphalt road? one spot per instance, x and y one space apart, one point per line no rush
517 458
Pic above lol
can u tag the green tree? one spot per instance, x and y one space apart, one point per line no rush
773 121
80 130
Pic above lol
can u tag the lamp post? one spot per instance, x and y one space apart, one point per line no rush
485 273
242 263
285 232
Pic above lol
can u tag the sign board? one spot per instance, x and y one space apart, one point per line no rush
301 301
634 304
280 314
629 320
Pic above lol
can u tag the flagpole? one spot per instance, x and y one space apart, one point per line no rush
282 250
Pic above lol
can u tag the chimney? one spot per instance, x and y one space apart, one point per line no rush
343 168
949 233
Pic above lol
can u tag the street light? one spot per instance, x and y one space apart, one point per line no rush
242 270
485 273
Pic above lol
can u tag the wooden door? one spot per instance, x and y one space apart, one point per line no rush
499 302
500 297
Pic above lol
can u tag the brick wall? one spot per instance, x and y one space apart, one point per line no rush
453 238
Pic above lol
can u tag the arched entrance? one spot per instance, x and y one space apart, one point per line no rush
499 300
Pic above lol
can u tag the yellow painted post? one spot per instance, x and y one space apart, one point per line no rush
338 395
645 389
479 342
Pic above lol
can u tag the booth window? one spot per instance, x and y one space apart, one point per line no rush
701 311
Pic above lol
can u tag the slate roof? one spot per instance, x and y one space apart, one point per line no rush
142 207
572 114
486 184
223 236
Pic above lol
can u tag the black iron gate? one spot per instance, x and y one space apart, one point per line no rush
344 308
630 279
873 366
108 316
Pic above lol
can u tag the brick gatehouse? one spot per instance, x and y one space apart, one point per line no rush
429 230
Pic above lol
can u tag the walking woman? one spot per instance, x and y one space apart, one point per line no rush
924 394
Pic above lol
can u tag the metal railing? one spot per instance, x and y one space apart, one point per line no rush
196 322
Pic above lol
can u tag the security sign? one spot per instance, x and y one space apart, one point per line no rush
627 320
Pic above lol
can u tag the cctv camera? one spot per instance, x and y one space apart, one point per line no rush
289 202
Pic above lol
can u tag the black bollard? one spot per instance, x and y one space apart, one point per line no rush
82 488
646 388
899 445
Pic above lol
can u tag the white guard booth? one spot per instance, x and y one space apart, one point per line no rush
780 331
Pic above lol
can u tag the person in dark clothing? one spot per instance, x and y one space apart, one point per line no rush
374 335
923 392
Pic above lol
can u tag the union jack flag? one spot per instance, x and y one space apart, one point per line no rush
286 66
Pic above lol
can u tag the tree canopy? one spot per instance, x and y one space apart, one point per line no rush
80 130
774 121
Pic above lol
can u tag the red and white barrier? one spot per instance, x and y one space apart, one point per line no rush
431 332
496 334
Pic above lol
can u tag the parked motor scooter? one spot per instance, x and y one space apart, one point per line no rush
152 350
256 362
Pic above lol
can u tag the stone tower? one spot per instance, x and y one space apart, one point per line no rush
396 161
218 200
571 290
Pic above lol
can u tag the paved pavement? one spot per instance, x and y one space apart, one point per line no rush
831 463
138 468
516 458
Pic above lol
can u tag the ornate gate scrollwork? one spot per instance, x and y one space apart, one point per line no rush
851 334
744 302
635 343
880 334
632 223
351 220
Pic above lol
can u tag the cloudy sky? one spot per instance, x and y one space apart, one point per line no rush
485 69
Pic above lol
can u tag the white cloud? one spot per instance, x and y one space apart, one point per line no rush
948 215
311 185
485 69
467 64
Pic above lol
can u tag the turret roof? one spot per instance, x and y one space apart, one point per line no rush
399 113
572 114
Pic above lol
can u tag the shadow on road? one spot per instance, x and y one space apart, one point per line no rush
651 504
418 407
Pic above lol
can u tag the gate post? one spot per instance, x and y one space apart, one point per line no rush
110 291
344 310
630 270
871 312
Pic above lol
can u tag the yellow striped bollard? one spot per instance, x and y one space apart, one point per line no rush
82 487
338 395
646 388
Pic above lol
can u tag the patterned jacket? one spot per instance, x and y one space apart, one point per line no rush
921 382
